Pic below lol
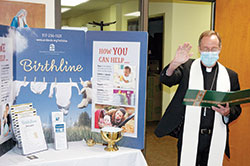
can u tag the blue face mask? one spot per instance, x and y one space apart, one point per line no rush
209 58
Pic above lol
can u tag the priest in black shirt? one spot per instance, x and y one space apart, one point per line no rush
202 132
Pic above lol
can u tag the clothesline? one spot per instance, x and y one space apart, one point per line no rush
55 80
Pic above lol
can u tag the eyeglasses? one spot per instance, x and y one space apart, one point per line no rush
214 49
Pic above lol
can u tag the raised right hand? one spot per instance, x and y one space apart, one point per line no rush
182 55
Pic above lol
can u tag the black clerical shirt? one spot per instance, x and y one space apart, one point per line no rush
207 117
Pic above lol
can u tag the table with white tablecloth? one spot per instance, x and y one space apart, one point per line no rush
77 154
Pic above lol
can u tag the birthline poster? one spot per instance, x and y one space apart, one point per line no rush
116 73
119 83
50 71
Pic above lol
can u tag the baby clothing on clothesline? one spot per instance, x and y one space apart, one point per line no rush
63 92
17 85
38 87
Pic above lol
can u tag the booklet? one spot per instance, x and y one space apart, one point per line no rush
32 136
207 98
18 112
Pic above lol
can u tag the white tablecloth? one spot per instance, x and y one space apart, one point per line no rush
78 154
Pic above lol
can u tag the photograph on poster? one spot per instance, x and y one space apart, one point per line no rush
5 123
123 97
124 76
115 116
6 120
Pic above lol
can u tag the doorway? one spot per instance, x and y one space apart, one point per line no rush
155 57
155 53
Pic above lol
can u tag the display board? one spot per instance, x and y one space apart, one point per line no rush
6 77
114 54
96 79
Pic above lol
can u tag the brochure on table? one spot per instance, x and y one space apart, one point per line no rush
17 113
32 135
59 131
95 78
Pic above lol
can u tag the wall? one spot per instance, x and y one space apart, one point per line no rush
166 10
101 15
233 23
113 13
183 22
128 7
116 15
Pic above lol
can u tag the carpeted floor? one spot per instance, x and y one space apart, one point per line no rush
159 151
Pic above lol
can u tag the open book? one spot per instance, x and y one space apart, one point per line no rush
207 98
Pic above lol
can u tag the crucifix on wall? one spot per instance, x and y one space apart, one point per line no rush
101 24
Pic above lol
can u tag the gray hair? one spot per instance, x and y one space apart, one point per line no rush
210 33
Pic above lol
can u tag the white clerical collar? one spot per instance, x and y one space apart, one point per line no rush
209 69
